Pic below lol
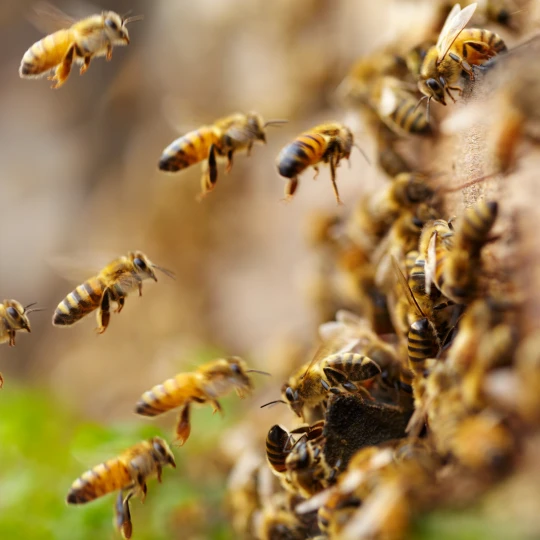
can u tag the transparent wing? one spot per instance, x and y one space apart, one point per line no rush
455 23
79 266
48 18
405 287
431 262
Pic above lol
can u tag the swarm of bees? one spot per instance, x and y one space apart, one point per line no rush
400 400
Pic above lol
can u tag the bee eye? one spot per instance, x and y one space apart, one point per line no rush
111 24
289 394
236 369
417 222
13 313
139 263
433 84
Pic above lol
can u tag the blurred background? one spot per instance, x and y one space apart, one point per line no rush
79 182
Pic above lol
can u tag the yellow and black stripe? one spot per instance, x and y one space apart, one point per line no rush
421 345
169 395
79 303
189 149
476 225
45 54
308 149
277 448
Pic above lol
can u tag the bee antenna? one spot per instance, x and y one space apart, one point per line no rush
273 403
29 306
472 182
363 153
275 123
258 371
133 19
168 273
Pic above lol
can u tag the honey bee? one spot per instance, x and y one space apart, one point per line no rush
205 385
456 50
311 384
398 107
89 38
326 143
223 138
112 284
127 472
281 524
13 318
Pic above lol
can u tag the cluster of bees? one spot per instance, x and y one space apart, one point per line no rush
401 399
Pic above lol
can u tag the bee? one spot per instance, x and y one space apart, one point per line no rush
224 137
205 385
112 284
127 472
326 143
456 50
13 318
281 524
89 38
397 107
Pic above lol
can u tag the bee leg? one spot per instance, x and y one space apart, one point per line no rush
159 470
333 163
212 167
11 334
123 515
62 71
86 65
290 188
230 161
1 381
464 65
121 300
183 428
104 312
108 56
216 407
316 169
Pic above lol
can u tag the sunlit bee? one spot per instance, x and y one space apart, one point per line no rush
326 143
112 284
223 138
205 385
86 39
127 472
457 50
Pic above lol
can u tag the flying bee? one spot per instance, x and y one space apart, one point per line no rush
126 473
326 143
397 107
209 382
223 138
88 38
112 284
457 49
13 318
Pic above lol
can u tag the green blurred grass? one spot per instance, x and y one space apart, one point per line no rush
44 447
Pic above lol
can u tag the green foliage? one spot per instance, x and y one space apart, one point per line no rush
45 447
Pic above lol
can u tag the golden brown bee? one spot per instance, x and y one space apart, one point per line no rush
13 318
398 107
129 471
311 384
326 143
456 50
112 284
205 385
86 39
223 138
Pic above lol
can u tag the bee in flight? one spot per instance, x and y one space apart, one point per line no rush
223 138
205 385
86 39
126 473
112 284
456 50
326 143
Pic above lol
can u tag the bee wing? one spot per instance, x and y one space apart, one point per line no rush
405 287
455 22
78 267
431 262
240 134
48 18
388 101
315 502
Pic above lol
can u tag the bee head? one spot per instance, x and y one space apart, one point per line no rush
256 126
433 89
143 265
16 315
163 452
115 28
239 372
347 141
293 400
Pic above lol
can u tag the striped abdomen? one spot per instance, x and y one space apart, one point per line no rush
476 46
306 150
171 394
192 148
477 223
277 448
100 480
409 117
45 54
342 367
80 302
421 345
